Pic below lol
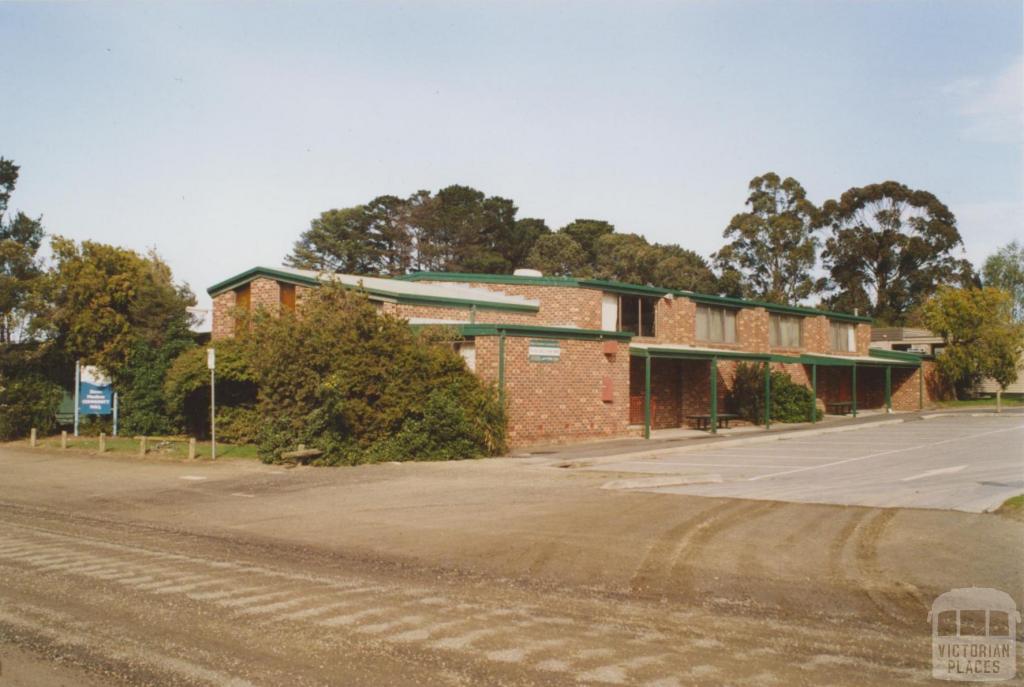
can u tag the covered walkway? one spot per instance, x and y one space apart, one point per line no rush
670 383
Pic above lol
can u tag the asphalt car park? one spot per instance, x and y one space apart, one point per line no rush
968 462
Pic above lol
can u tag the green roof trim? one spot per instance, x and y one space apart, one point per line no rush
631 289
905 356
401 298
527 330
682 354
256 272
778 308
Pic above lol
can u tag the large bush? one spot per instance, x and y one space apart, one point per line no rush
791 402
186 393
27 401
363 386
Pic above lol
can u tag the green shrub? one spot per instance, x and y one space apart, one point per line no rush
27 401
140 381
363 386
791 402
186 393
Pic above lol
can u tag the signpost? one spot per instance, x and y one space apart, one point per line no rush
211 362
94 394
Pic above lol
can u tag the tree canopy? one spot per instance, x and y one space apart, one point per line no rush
982 339
1004 270
772 248
101 299
889 249
461 229
20 268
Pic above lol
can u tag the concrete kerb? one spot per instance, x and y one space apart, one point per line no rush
738 441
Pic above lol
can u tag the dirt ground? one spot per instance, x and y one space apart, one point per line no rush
505 571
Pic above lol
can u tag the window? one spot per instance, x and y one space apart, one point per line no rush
785 331
716 324
287 296
636 315
843 337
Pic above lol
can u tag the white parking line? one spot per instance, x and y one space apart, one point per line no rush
885 453
930 473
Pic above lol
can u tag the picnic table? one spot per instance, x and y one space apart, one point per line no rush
839 407
704 421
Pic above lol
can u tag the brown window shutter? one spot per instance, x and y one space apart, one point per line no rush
287 296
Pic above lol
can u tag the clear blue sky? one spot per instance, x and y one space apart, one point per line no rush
215 132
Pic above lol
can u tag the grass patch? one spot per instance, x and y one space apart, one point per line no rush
1012 507
128 445
987 401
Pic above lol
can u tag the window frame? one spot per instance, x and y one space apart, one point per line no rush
645 326
851 336
782 319
727 313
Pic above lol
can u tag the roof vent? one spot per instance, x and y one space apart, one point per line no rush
523 272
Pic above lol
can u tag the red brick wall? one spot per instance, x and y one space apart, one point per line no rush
223 324
482 316
559 402
674 321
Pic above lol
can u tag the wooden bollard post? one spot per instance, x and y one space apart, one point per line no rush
64 439
192 448
32 438
103 442
142 446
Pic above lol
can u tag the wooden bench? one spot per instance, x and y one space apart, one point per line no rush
303 455
704 421
840 408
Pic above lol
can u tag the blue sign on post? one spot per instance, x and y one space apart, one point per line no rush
95 394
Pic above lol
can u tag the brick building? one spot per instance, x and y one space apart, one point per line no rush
577 359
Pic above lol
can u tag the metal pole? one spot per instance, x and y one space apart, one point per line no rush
854 390
78 384
213 418
767 395
814 393
115 413
647 397
714 395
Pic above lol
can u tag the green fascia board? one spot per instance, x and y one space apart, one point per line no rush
655 352
403 298
811 359
904 356
709 299
779 358
622 287
806 358
256 272
527 330
631 289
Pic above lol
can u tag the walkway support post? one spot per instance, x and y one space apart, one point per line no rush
854 389
767 395
501 368
714 395
647 397
888 388
920 387
814 393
